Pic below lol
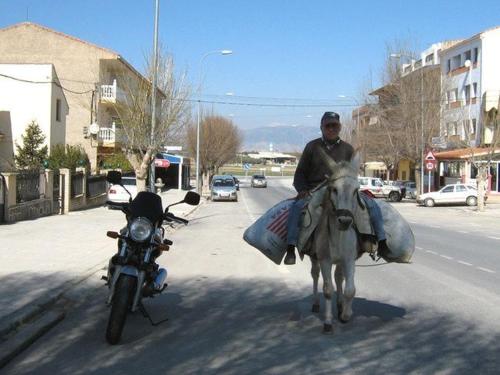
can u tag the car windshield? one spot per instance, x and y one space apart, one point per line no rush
226 182
128 181
259 177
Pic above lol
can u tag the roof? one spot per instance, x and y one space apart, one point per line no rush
464 153
271 155
473 37
113 53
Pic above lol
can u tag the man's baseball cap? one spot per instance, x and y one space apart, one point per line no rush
330 118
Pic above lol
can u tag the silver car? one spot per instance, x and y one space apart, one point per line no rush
223 188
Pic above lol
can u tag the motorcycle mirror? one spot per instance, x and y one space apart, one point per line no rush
114 177
192 198
112 234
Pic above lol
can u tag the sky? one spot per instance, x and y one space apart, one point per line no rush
291 59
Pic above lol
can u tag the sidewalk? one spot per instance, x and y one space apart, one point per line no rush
40 258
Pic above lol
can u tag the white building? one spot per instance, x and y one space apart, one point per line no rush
428 57
471 78
29 92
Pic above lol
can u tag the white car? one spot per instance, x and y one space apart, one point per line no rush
450 194
117 194
380 190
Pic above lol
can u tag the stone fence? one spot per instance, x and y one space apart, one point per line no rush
29 195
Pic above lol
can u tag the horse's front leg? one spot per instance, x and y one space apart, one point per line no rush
339 280
315 276
326 272
348 266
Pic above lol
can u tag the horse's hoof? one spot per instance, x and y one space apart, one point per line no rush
343 321
315 308
327 329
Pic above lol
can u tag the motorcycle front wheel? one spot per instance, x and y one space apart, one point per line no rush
122 300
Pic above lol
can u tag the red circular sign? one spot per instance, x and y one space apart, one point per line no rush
430 165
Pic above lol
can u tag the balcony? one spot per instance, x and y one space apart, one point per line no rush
111 136
111 93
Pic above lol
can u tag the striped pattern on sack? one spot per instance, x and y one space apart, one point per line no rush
278 224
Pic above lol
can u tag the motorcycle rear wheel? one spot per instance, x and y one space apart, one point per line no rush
122 299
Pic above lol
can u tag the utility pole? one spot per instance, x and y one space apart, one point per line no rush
153 97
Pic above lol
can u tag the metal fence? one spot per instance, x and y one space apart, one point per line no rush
76 184
96 185
27 186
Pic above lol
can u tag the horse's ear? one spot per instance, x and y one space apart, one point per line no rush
327 159
356 160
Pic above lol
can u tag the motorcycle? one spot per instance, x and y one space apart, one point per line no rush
133 273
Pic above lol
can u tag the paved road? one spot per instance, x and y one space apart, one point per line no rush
234 312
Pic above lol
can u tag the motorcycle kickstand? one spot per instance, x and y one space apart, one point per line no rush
145 314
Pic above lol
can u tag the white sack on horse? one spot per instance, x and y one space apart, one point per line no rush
268 233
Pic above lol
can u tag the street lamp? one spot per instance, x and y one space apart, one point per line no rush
223 52
398 56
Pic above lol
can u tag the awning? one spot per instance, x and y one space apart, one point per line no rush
173 159
375 166
463 153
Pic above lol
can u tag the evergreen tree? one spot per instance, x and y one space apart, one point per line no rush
31 154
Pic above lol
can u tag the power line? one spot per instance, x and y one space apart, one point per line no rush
42 82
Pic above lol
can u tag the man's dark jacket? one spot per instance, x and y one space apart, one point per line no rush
312 169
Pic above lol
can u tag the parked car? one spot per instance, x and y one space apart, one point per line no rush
450 194
223 188
117 194
236 182
375 185
259 180
411 189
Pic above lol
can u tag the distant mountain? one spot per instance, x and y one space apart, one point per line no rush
283 138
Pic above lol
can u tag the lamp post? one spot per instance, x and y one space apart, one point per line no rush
422 144
223 52
153 96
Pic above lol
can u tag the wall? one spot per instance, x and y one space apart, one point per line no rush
6 144
491 62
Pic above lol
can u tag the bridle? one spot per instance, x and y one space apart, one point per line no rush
341 212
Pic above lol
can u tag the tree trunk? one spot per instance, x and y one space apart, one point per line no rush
482 179
141 167
418 181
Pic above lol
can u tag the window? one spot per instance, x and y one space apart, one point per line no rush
429 59
467 93
476 54
474 127
58 110
467 56
474 91
448 66
418 64
447 189
457 61
460 188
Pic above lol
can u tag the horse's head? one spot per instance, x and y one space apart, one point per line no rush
343 189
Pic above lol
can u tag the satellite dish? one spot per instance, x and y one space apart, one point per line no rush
93 129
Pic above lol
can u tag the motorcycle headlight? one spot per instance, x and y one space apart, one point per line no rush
141 229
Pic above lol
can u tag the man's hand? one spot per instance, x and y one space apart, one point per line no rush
303 194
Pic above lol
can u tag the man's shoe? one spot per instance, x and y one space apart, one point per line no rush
383 250
290 256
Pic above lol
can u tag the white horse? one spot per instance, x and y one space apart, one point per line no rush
335 240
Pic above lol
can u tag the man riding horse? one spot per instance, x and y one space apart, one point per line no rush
311 172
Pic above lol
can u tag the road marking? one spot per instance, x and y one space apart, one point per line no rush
418 247
462 231
464 263
485 269
494 238
446 257
431 252
413 222
435 226
252 218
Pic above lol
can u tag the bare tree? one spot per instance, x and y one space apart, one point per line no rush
220 140
134 110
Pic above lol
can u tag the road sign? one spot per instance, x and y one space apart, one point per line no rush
246 166
430 165
430 156
162 163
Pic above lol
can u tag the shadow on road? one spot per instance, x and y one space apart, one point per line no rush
236 326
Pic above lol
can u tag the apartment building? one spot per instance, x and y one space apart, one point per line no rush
29 92
471 84
93 79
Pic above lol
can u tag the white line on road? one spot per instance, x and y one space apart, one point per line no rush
462 231
431 252
418 247
435 226
494 238
464 263
446 257
252 218
485 269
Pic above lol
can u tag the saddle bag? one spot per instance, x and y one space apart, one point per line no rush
268 233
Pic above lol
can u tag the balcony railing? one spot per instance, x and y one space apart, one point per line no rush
111 134
111 93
